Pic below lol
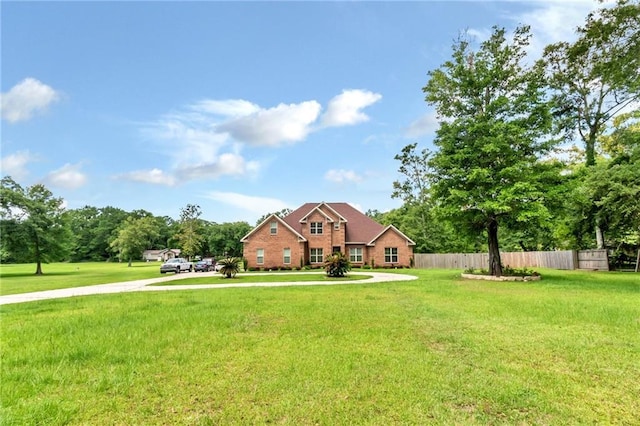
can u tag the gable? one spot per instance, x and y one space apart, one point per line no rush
391 229
359 227
267 223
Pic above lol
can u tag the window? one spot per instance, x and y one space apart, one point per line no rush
316 255
274 228
260 256
315 228
355 254
391 255
286 256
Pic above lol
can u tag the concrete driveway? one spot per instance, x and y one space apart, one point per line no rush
144 285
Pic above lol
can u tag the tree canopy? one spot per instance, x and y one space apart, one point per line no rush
495 125
34 228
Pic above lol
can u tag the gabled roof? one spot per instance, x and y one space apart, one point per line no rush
270 219
393 229
320 208
360 228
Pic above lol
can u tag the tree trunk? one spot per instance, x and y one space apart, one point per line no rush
38 257
495 264
129 265
590 147
599 237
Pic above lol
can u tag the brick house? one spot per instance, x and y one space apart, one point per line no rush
314 230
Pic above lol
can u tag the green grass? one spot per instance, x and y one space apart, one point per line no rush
263 278
21 278
438 350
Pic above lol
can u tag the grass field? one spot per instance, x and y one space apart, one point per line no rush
20 278
438 350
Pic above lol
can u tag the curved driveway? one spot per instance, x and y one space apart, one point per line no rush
143 285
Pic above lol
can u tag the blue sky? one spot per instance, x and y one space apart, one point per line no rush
242 108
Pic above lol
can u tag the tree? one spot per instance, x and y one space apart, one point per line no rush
614 185
494 123
134 236
413 190
190 230
34 228
282 213
596 77
224 238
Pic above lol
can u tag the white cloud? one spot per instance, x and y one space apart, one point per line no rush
68 176
274 126
228 108
257 205
153 176
554 21
551 21
193 137
25 99
186 138
14 165
345 109
427 124
342 176
228 164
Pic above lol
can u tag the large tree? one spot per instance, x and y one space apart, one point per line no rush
598 75
34 228
224 238
190 230
595 78
614 184
93 229
494 127
134 236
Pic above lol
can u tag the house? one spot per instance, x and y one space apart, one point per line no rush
160 255
314 230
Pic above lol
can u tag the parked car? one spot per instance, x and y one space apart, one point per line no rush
176 265
204 265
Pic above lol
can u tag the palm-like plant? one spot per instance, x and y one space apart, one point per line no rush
337 265
230 266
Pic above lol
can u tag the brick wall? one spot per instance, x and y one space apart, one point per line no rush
273 246
326 241
390 239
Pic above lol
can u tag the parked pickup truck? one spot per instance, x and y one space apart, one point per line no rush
176 265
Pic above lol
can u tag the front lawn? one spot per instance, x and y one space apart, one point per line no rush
20 278
263 278
438 350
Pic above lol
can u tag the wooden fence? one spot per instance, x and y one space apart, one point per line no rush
566 259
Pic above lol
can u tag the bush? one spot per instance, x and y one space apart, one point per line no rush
230 266
337 265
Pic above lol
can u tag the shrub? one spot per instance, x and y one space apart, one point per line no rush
337 264
230 266
518 272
